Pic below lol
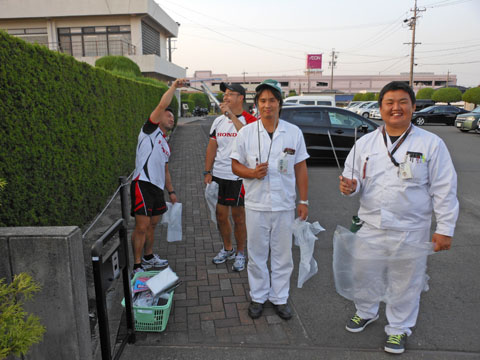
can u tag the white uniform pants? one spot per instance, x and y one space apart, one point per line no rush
269 231
403 279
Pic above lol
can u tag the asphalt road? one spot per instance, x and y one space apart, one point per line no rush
449 320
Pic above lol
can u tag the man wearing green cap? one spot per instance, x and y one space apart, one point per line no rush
270 155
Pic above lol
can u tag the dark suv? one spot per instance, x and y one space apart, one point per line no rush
445 114
315 123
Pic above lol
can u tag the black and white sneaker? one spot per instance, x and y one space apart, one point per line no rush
395 344
357 324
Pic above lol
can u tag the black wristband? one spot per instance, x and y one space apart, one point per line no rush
171 192
206 172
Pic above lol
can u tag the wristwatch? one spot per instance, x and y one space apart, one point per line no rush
206 172
303 202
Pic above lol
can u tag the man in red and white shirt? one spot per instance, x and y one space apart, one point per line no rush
218 168
150 178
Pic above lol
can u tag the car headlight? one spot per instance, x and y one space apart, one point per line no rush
470 118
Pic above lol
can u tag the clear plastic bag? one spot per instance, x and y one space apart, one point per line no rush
304 235
173 219
373 271
211 196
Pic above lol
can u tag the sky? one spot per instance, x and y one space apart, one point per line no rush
273 37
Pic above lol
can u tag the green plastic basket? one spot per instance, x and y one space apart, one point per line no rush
153 318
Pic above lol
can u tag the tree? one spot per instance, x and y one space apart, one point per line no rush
447 95
18 329
292 93
200 99
369 96
425 93
118 63
220 97
472 96
358 97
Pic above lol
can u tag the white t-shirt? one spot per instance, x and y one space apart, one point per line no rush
223 131
153 153
276 192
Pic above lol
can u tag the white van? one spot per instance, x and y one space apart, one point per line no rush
311 100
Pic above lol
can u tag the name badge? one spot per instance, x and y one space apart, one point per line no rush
405 171
283 164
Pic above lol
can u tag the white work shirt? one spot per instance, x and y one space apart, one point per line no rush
153 153
276 192
389 202
223 131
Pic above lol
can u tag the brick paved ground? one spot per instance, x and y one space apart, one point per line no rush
211 304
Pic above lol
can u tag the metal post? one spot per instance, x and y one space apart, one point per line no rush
124 199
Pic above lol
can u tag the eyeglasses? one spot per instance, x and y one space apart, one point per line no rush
231 94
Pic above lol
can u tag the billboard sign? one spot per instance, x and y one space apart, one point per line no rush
314 61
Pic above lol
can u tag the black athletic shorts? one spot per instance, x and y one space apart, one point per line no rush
230 192
146 199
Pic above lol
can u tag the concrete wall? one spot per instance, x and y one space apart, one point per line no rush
53 256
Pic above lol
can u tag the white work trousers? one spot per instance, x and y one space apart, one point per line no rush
404 279
269 231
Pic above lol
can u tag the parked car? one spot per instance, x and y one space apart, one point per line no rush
315 123
468 121
445 114
312 100
364 109
423 103
353 104
375 114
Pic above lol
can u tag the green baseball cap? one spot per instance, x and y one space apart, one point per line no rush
274 84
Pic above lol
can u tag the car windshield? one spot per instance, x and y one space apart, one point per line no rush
427 109
476 110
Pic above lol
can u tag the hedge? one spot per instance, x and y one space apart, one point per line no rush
67 132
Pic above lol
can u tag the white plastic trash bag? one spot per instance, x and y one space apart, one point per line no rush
370 270
162 281
173 219
304 235
211 196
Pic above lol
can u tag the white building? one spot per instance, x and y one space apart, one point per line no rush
90 29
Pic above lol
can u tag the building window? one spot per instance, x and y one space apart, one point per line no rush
96 41
440 83
150 40
33 35
320 83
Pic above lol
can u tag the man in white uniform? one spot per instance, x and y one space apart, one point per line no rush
403 174
218 168
270 155
150 178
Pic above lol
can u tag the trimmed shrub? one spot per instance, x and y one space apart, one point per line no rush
200 99
472 96
425 94
120 63
447 95
67 132
358 97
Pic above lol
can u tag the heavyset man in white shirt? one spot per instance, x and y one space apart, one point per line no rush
270 155
403 174
218 168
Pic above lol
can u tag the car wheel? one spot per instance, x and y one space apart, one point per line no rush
420 121
365 115
463 130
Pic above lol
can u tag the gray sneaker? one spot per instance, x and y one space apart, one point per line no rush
223 256
357 324
239 263
154 262
395 344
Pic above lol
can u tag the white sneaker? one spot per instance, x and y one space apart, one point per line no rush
223 256
154 262
239 263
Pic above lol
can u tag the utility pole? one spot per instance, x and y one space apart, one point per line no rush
448 76
244 73
412 23
332 65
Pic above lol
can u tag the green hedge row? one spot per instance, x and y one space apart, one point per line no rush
67 132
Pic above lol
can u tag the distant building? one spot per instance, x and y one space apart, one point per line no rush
90 29
344 86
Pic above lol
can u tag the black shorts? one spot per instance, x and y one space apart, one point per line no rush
230 192
146 199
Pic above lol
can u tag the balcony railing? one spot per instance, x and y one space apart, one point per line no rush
93 48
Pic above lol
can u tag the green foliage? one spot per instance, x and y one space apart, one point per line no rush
369 96
447 95
200 99
3 183
359 97
220 97
377 95
472 96
292 93
18 329
190 104
67 132
425 93
117 62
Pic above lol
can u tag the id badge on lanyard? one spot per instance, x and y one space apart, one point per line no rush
404 169
283 163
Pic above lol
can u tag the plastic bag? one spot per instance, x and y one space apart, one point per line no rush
304 237
375 271
211 196
173 219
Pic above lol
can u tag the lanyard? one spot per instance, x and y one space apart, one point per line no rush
259 158
399 143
